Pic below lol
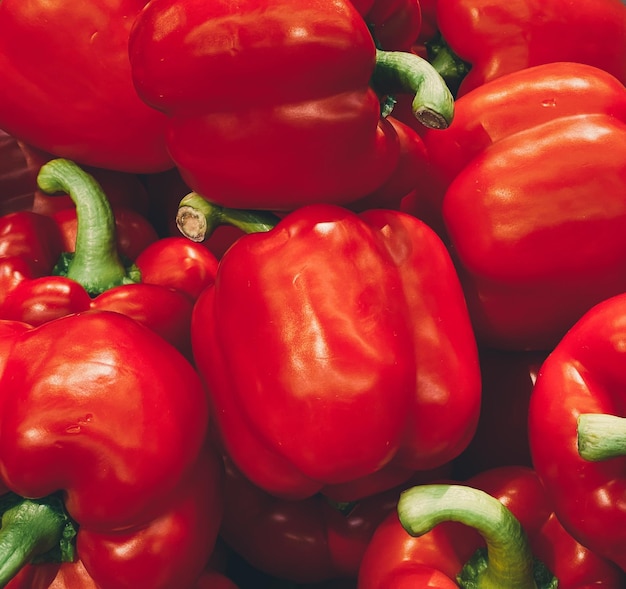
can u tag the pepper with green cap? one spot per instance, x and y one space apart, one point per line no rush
577 429
104 455
495 530
41 282
336 349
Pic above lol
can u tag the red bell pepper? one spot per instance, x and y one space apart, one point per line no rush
294 104
39 284
499 38
411 167
93 423
306 541
583 380
336 349
485 532
68 86
527 190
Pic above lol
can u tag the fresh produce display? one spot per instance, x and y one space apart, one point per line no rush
313 294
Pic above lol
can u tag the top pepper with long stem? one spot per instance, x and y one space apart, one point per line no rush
271 104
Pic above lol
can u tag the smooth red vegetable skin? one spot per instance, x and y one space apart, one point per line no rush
498 38
80 102
583 374
280 88
91 405
396 560
336 350
527 191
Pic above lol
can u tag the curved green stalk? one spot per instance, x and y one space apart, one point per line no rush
507 563
398 71
197 218
96 263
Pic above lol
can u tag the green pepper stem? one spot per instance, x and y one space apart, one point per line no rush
31 530
601 437
447 63
398 71
509 559
197 218
96 263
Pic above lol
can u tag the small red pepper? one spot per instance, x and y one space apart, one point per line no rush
294 104
498 38
408 175
68 87
40 284
93 423
527 190
486 532
354 325
577 432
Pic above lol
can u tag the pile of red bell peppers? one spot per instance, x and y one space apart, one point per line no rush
318 294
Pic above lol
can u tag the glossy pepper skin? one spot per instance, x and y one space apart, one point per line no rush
527 191
396 560
282 87
583 375
80 103
158 290
307 541
91 406
498 38
337 352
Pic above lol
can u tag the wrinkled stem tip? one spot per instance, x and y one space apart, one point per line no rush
431 119
191 223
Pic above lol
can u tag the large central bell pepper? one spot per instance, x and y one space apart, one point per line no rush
577 431
337 350
528 191
496 530
92 420
67 86
499 38
270 103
